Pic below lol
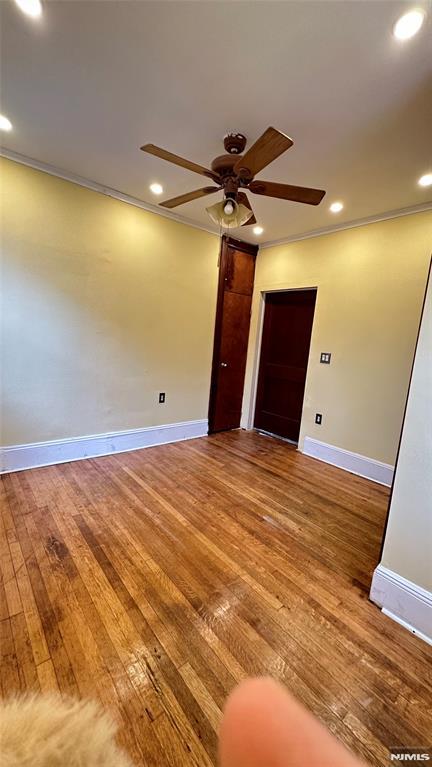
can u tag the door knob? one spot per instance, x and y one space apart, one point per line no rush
224 364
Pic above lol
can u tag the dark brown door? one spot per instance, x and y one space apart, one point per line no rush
285 346
236 276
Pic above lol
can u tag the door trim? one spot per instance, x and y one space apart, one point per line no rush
257 354
246 247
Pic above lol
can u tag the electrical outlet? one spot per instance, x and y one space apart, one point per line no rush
325 358
161 397
318 418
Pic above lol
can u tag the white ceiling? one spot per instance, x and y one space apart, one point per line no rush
89 82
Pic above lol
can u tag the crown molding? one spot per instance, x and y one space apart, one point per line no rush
95 186
349 225
67 175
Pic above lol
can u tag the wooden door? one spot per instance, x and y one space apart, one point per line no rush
236 276
285 346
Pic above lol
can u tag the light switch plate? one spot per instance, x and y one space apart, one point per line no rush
325 358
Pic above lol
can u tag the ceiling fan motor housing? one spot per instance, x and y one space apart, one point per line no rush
223 165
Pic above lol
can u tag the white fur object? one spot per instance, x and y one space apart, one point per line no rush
50 731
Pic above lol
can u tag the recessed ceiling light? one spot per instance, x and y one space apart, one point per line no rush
409 24
425 180
32 8
156 188
5 124
336 207
258 230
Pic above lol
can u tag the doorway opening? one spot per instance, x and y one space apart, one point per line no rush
285 344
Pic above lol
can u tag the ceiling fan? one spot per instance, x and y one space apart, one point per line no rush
235 171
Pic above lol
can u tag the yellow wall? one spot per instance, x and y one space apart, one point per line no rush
104 305
408 542
371 283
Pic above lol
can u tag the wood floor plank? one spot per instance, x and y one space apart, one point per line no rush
48 619
174 749
11 596
155 580
47 677
9 671
202 695
31 612
24 654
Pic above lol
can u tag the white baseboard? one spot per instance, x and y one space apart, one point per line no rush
353 462
20 457
403 601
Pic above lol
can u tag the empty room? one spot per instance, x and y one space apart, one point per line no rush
216 383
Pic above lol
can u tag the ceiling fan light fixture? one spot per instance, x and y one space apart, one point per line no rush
229 214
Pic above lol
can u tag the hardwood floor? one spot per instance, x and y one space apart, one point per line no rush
157 579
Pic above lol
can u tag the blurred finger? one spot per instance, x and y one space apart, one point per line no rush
264 726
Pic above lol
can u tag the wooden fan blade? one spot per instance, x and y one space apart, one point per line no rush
174 158
242 199
287 192
189 196
270 145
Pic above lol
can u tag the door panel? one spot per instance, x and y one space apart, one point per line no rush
236 277
235 331
285 346
240 270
